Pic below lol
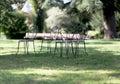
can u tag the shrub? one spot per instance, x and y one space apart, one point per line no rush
14 26
93 34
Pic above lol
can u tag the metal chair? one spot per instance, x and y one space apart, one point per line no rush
69 40
29 37
50 37
77 39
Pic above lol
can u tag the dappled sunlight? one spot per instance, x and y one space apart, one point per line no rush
57 72
100 66
36 71
52 75
105 46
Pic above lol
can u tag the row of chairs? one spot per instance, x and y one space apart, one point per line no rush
56 36
27 40
69 40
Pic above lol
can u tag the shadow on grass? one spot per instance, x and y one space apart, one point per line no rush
116 75
35 68
102 41
63 78
95 60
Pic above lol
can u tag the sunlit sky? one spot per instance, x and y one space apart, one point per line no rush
28 5
66 1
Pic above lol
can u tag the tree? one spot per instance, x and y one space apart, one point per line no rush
109 8
109 19
40 13
11 22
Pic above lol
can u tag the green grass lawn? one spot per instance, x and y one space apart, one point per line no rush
100 66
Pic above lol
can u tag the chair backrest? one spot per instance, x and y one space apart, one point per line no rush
32 33
55 32
74 35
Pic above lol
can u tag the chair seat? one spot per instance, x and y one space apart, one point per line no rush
29 37
48 38
26 40
69 41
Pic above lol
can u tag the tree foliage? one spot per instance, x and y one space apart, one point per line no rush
14 27
108 7
76 12
11 22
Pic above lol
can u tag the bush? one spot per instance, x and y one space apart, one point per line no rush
93 34
14 26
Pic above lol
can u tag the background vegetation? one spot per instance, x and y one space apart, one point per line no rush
100 66
49 13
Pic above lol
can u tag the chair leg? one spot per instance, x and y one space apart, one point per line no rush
48 46
61 50
34 46
67 49
41 45
72 48
75 50
18 47
55 48
27 47
85 49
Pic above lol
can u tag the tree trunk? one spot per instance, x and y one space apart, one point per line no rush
109 19
110 27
